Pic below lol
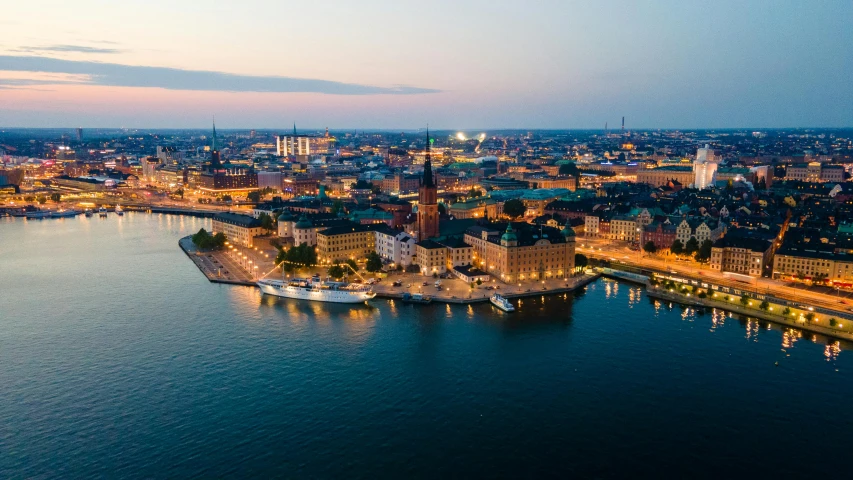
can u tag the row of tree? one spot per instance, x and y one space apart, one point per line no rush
703 251
205 241
295 258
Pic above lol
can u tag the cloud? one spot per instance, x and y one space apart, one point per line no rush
67 49
117 75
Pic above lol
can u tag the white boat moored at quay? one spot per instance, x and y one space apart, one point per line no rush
502 303
317 290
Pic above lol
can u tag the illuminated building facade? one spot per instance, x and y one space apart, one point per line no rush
521 252
427 201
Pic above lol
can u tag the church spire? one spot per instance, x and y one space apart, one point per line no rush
428 180
294 129
213 144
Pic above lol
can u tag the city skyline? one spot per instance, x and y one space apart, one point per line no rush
380 65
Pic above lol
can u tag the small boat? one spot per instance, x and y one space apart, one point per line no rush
38 215
501 303
416 298
64 213
102 212
88 212
119 211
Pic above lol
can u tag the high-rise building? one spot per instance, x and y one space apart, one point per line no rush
427 200
301 144
704 168
79 134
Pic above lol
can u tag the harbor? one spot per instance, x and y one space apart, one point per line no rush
221 266
243 373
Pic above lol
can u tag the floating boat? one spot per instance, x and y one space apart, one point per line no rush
88 212
64 213
102 212
119 211
317 290
501 303
416 298
37 215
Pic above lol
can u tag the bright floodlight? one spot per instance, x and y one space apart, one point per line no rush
461 136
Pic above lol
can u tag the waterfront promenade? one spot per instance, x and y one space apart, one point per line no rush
217 266
842 330
240 266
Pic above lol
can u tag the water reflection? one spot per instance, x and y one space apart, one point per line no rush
353 322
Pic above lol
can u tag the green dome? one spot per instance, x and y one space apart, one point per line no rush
285 217
509 236
568 231
303 223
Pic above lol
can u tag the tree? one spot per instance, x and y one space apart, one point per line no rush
205 241
219 240
336 271
809 317
226 198
56 197
267 222
514 208
41 199
362 185
800 276
765 305
692 246
479 282
787 311
337 206
744 300
475 193
650 247
296 258
677 247
833 322
374 262
254 196
180 192
352 265
570 169
581 261
704 253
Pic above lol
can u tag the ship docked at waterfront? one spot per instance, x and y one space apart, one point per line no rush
317 290
502 303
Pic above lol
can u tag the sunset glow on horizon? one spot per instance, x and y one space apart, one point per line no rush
385 64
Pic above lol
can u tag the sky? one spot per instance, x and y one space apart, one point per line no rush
464 64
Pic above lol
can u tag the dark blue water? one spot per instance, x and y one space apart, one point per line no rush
118 359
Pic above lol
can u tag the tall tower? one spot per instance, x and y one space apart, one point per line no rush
215 162
427 201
